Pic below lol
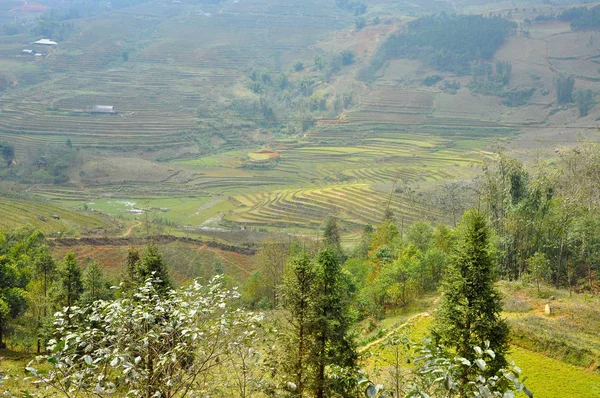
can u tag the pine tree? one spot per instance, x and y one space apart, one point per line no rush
95 286
153 266
469 313
39 289
334 345
298 298
69 286
45 272
331 236
130 274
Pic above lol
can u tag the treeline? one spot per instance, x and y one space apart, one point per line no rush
33 285
450 43
354 6
57 24
51 165
581 17
546 218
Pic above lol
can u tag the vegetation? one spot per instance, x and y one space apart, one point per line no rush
585 101
448 43
245 152
564 85
469 314
581 17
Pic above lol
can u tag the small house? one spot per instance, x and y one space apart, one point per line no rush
45 42
27 51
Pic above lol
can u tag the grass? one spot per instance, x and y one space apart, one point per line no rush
569 335
544 352
551 378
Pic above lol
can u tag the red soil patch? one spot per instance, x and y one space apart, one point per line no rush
30 8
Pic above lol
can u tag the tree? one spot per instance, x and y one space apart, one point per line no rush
8 153
70 286
441 374
360 23
272 258
154 345
18 251
564 85
347 57
331 235
585 101
538 267
38 293
95 286
130 281
299 292
333 343
469 312
153 266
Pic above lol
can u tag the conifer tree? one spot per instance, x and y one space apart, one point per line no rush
38 294
69 286
469 312
334 345
298 298
331 236
130 274
152 265
95 286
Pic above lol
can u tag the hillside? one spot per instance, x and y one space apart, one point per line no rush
553 366
183 79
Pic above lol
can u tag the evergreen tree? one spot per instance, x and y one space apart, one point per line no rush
152 265
298 297
69 286
38 294
331 236
334 345
469 312
130 274
564 85
95 286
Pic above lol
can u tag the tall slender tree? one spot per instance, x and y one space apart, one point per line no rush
95 286
469 312
69 286
334 345
298 298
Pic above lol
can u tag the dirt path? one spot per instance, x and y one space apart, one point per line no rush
134 225
391 332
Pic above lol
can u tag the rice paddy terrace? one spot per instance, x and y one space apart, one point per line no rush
49 218
171 69
161 65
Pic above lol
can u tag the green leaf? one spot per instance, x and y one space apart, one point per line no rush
480 363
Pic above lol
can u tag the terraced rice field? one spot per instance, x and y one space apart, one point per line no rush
354 203
181 61
21 213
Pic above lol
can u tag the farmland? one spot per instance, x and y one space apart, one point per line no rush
178 149
50 219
